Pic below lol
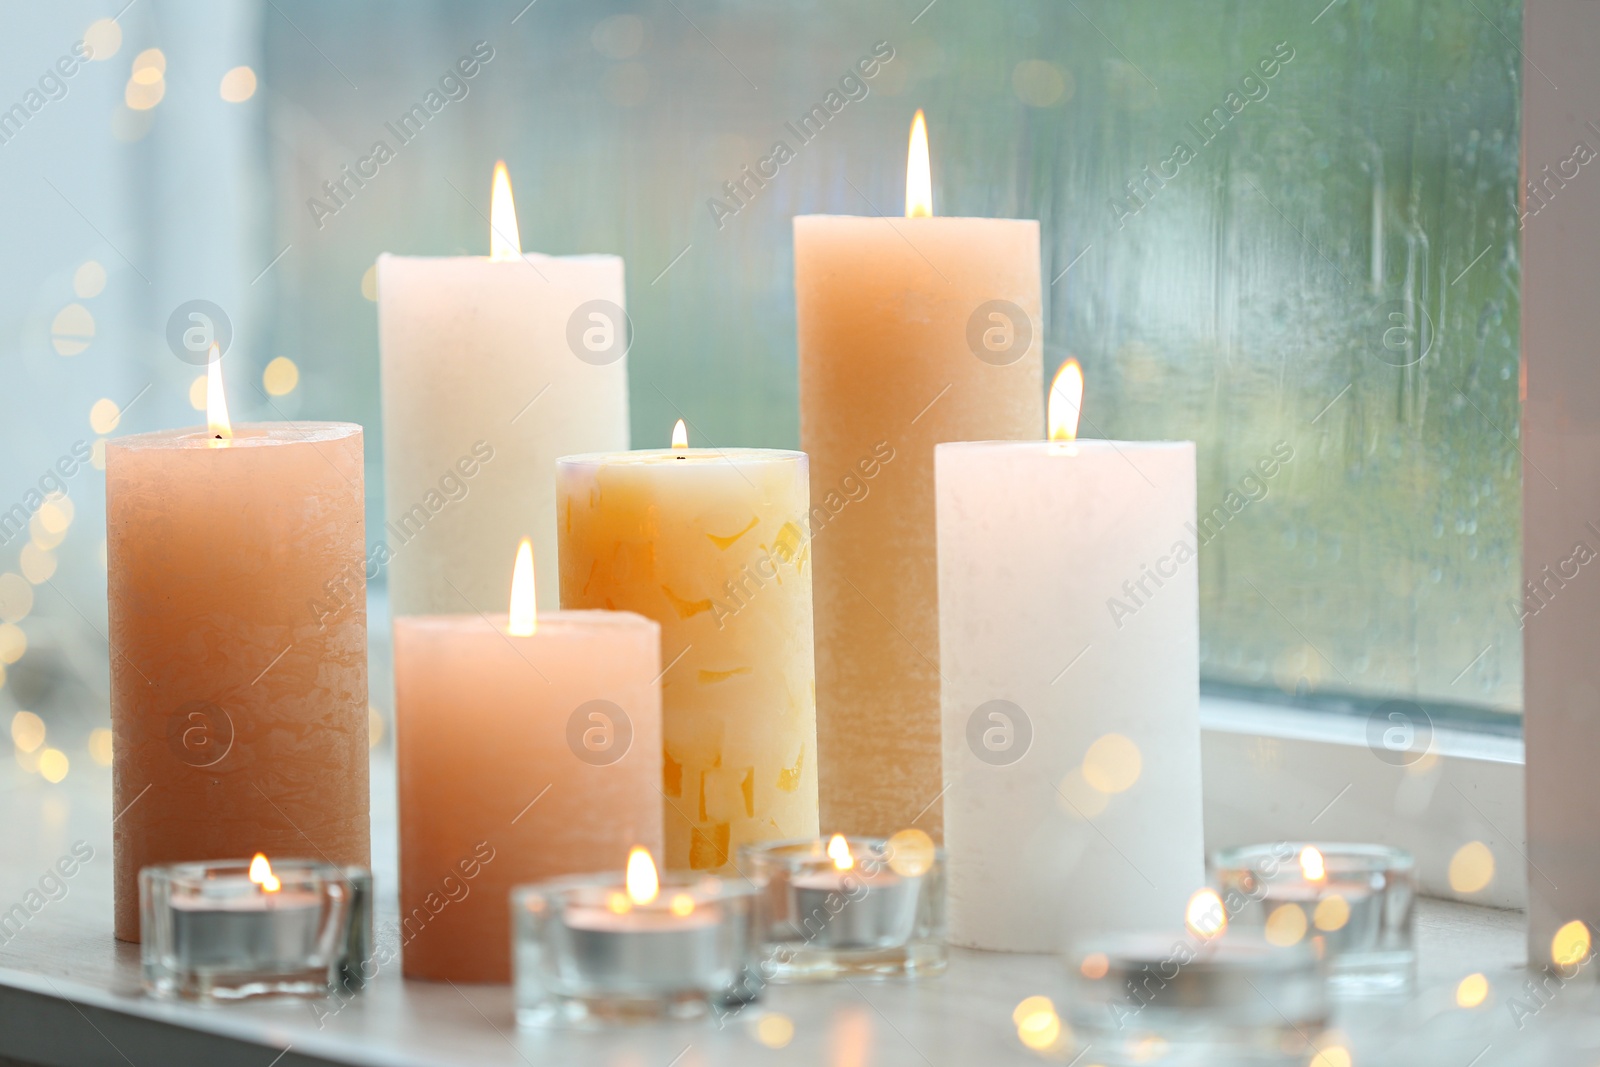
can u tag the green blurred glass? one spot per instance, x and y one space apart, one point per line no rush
1327 267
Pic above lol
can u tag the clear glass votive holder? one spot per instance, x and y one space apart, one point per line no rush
211 932
359 940
586 954
1355 903
1183 1001
849 907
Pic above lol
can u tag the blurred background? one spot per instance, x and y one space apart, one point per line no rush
1279 230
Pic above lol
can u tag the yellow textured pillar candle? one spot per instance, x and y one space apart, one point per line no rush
238 708
712 544
912 332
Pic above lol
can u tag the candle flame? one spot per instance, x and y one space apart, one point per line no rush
1312 865
643 885
524 605
504 240
919 172
216 403
680 436
839 852
1205 916
1066 402
261 874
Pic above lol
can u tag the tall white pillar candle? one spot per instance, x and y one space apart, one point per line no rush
492 368
1069 648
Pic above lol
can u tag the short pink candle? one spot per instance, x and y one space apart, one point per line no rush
522 757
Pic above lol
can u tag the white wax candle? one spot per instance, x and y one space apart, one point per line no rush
492 369
1069 648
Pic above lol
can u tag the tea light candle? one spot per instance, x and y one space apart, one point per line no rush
850 906
713 545
1234 1000
606 948
232 929
1354 901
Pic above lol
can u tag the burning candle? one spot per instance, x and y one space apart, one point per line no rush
1071 728
528 746
491 369
238 713
850 906
234 929
712 544
911 332
1353 903
600 947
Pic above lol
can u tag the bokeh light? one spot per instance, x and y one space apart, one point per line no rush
1471 868
238 85
27 731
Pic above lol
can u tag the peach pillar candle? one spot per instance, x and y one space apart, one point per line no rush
526 749
711 543
492 368
238 715
912 332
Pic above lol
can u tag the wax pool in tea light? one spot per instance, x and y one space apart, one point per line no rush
911 331
528 746
239 713
1071 733
712 544
492 368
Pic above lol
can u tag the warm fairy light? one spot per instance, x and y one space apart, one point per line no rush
216 403
839 852
504 240
1312 864
643 885
1205 916
682 905
1472 991
919 173
1571 945
261 874
1066 402
680 437
524 605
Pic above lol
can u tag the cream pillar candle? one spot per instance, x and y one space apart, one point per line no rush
912 331
491 369
1069 643
711 543
238 714
526 750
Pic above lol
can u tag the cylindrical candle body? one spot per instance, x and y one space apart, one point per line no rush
911 332
491 371
238 701
1069 641
519 759
711 544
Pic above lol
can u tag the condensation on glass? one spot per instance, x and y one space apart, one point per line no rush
1287 231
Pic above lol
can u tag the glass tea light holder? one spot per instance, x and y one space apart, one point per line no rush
231 929
849 906
1189 1000
1355 903
594 949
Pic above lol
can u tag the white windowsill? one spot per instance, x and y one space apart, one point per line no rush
1276 773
